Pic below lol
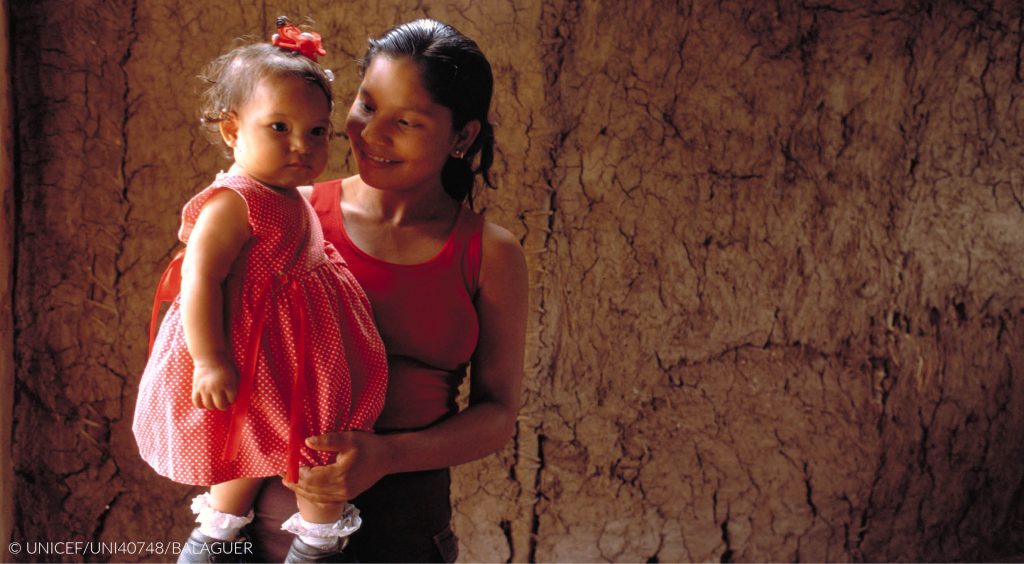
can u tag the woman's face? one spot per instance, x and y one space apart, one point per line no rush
400 137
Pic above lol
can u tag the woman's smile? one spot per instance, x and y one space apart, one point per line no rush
401 138
377 158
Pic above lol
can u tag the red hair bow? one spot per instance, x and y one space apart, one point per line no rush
290 37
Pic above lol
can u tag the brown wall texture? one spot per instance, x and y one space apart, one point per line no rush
6 281
775 252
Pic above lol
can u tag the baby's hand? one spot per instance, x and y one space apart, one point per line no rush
214 384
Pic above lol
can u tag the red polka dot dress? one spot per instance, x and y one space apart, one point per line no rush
302 324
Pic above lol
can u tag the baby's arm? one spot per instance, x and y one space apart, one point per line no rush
220 232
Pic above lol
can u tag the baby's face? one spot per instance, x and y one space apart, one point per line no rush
279 136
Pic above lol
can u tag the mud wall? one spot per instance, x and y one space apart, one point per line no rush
774 252
6 271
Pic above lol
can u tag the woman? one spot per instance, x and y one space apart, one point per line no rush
448 290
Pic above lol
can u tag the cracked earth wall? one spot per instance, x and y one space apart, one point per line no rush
774 249
6 272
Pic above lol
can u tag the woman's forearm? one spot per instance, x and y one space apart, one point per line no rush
364 458
475 432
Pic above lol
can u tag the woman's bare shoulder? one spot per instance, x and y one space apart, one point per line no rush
496 235
502 253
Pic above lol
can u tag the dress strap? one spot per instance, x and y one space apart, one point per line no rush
296 434
471 235
247 376
166 290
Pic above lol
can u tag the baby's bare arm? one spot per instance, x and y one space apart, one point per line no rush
220 233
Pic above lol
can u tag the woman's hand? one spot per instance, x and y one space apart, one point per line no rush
363 458
214 384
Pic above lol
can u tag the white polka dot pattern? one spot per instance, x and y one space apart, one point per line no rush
347 373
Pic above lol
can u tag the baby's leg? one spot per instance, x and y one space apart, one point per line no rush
320 528
319 512
227 508
221 514
235 496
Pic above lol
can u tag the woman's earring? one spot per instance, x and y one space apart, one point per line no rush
457 154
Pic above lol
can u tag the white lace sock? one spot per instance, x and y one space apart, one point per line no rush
217 524
324 535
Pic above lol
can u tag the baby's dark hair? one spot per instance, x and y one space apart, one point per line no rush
232 77
458 76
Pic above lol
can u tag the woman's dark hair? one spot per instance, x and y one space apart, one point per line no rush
232 77
457 75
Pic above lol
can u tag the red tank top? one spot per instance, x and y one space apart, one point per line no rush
425 313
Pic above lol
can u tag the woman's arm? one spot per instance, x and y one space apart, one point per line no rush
220 232
480 429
